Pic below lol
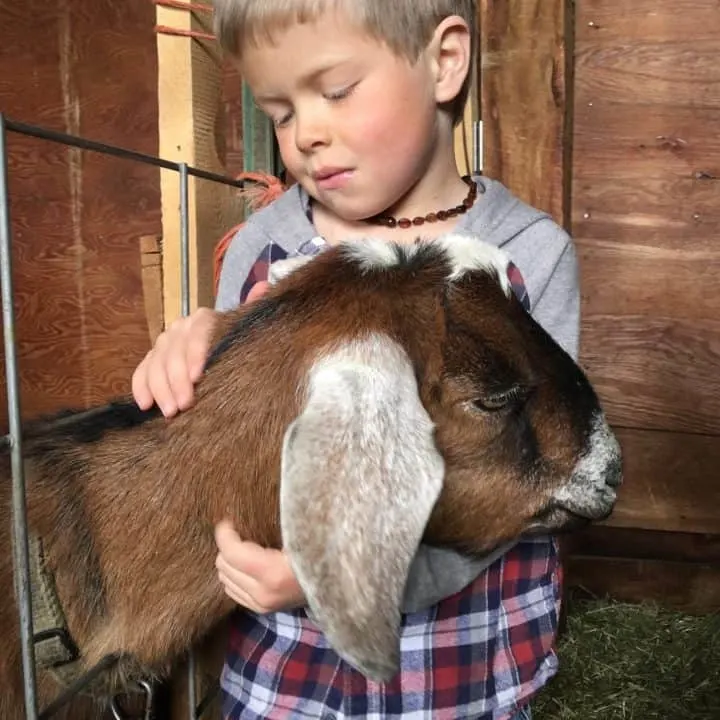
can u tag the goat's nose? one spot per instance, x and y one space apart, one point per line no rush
613 471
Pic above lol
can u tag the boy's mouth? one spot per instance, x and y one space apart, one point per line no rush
331 178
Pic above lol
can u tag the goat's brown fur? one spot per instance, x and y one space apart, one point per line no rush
127 519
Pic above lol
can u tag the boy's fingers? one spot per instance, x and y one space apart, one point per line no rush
243 557
161 392
140 390
258 290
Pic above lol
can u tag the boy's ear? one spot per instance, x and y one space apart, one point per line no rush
451 56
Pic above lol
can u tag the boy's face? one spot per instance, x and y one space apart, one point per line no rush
356 124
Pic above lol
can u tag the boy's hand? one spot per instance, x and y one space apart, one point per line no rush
167 374
255 577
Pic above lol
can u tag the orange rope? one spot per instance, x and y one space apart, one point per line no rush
262 192
167 30
261 188
182 5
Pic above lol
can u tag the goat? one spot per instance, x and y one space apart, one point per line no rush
378 396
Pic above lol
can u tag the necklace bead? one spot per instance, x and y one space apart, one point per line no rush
432 217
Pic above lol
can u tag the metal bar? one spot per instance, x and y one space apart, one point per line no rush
185 310
80 684
104 149
207 700
20 538
184 240
192 687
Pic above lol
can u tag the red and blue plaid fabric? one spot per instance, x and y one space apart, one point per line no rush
481 653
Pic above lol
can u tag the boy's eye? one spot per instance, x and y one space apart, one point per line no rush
341 93
281 121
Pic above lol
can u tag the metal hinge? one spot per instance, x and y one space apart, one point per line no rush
478 157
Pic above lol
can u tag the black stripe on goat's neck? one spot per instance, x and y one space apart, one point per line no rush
259 312
89 426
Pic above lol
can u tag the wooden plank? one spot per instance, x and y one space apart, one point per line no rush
653 372
689 587
76 216
632 142
151 261
651 274
666 213
525 99
646 210
190 79
630 543
636 67
645 73
670 482
648 19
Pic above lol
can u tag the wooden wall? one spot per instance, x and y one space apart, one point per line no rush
607 114
646 219
85 67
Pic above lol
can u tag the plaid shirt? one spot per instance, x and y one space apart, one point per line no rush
481 653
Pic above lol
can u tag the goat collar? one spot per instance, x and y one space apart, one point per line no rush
55 648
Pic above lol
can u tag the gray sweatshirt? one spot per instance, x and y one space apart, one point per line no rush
539 248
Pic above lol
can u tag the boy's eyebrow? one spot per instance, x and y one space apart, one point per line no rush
307 79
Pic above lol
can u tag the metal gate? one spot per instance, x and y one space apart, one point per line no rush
14 438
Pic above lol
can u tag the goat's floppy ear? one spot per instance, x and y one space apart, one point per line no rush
360 476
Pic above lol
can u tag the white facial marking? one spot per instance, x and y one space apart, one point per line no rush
467 253
592 490
282 268
464 251
372 253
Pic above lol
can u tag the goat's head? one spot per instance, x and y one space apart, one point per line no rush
434 406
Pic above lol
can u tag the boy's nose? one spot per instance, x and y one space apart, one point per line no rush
310 133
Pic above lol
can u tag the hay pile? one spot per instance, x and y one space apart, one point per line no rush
634 662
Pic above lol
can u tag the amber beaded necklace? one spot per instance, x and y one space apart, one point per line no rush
431 217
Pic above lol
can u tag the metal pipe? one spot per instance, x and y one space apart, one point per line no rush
185 310
104 149
184 240
20 538
78 686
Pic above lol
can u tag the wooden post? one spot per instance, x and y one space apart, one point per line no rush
190 77
525 91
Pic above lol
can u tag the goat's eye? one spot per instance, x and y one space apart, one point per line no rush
492 402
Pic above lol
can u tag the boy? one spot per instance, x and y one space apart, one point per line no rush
364 95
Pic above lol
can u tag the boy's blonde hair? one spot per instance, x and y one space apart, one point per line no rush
406 26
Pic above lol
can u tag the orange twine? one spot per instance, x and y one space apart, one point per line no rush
261 188
182 5
264 189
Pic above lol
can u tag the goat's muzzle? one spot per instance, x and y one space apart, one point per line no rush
591 492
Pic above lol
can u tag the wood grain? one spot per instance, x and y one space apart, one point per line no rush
648 53
524 102
683 586
632 143
637 544
653 372
646 211
671 482
648 19
86 68
663 278
192 122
